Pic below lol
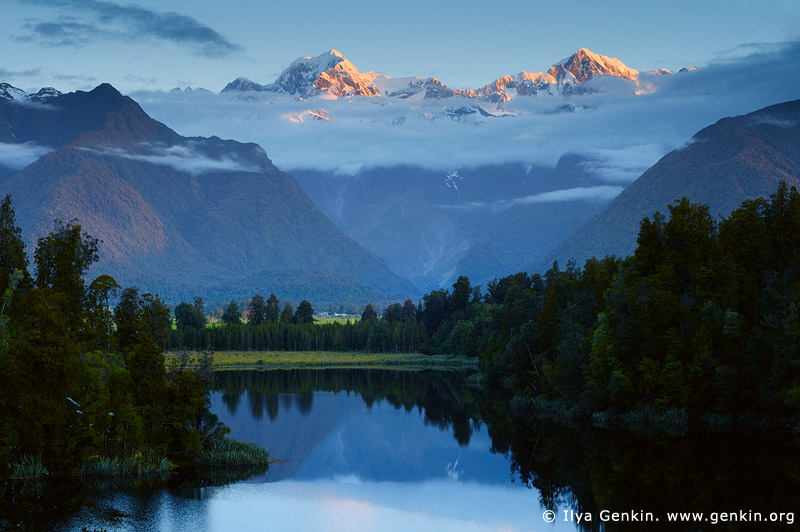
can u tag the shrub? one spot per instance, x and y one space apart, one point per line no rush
29 466
232 453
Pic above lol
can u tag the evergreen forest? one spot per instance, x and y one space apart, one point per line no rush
84 387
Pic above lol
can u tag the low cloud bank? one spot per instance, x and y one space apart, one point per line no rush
622 132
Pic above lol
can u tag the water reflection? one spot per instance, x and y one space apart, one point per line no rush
371 425
33 505
587 471
231 401
444 396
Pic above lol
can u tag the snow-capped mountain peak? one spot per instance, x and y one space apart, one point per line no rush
10 92
507 88
330 72
44 94
318 64
584 64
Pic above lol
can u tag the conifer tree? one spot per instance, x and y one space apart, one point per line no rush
273 309
232 315
287 315
12 248
369 313
304 313
257 311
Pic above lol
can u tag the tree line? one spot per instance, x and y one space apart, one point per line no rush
397 330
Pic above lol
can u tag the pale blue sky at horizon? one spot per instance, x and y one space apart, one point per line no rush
77 44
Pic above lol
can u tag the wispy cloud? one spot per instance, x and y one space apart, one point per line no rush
621 165
771 120
746 50
18 156
73 77
8 74
65 32
602 193
185 158
108 20
599 193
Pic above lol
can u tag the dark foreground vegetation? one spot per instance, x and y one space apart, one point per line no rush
84 388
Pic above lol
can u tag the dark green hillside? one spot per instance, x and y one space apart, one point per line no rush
724 164
327 288
180 215
523 235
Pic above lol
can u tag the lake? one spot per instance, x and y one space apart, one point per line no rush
378 450
382 451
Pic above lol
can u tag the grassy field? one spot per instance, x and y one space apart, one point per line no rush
342 318
326 359
330 318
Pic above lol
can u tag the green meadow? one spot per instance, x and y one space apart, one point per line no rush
310 359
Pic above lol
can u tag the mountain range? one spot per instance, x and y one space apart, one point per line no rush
177 215
433 225
201 215
331 75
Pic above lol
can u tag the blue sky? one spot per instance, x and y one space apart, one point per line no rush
77 44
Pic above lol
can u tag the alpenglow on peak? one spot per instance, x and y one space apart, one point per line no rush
330 73
585 64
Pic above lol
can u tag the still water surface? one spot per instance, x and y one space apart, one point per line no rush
406 452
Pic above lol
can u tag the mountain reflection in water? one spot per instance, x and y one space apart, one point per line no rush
372 425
